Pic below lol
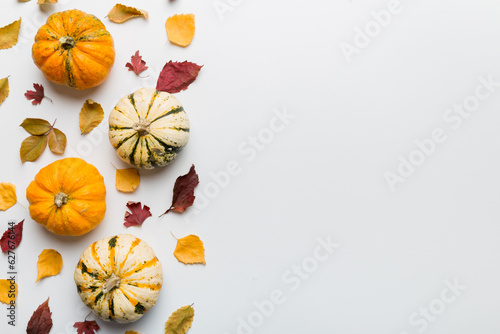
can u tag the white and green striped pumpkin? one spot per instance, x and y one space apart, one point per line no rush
119 278
148 128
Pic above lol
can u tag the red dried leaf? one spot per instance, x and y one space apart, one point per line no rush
41 321
86 327
137 214
184 191
7 242
137 64
175 76
37 95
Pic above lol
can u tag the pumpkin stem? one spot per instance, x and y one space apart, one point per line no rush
112 282
142 127
67 42
60 199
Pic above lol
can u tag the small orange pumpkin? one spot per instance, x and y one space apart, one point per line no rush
74 49
67 197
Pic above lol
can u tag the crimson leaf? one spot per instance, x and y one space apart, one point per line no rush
137 214
86 327
184 191
10 243
175 76
41 321
37 95
137 64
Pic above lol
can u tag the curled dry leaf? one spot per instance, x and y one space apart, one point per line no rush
8 291
91 116
32 147
86 327
127 180
176 77
36 95
190 250
136 64
4 89
183 196
137 214
12 237
49 263
9 35
180 321
41 320
180 29
120 13
57 141
36 126
7 195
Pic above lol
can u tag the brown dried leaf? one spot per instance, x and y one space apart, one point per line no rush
49 263
32 147
41 321
120 13
9 35
183 196
127 180
57 141
7 195
36 126
4 89
91 116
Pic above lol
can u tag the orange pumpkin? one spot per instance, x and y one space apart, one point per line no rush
74 49
67 197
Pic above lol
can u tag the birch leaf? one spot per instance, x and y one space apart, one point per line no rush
7 196
91 116
9 35
180 29
180 321
32 147
127 180
49 263
120 13
4 89
190 250
5 291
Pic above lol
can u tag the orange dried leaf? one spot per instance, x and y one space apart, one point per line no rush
7 195
41 2
91 116
120 13
127 180
57 141
190 250
9 35
180 29
8 291
4 89
49 263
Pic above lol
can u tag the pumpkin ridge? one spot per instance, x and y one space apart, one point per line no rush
70 79
144 285
151 102
168 113
96 257
88 55
132 246
131 156
176 128
124 114
137 269
132 102
168 148
126 139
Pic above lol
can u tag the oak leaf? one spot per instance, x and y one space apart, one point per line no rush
180 320
7 294
9 35
180 29
86 327
137 214
41 321
176 76
12 237
91 116
7 195
36 95
183 196
190 250
4 89
120 13
136 64
36 126
57 141
127 180
49 263
32 147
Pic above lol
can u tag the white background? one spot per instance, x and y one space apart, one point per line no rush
321 176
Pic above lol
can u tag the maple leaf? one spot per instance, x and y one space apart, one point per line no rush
137 64
180 320
8 195
137 214
41 321
37 95
9 35
7 242
6 294
49 263
120 13
86 327
183 196
176 77
190 250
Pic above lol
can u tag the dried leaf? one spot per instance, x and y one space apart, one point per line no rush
120 13
176 77
49 263
37 95
9 35
127 180
57 141
137 214
32 147
41 2
137 64
36 126
8 291
7 195
41 321
86 327
12 237
189 250
131 332
91 116
180 321
184 191
180 29
4 89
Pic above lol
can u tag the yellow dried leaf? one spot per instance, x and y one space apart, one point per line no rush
189 250
41 2
49 263
9 35
7 195
127 180
180 29
32 147
131 332
57 141
4 89
8 291
180 321
91 116
120 13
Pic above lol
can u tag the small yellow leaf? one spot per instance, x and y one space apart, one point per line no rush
189 250
120 13
49 263
8 291
91 116
131 332
180 29
57 141
41 2
127 180
7 195
9 35
4 89
32 147
180 321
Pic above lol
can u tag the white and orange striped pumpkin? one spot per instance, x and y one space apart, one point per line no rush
119 278
148 128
